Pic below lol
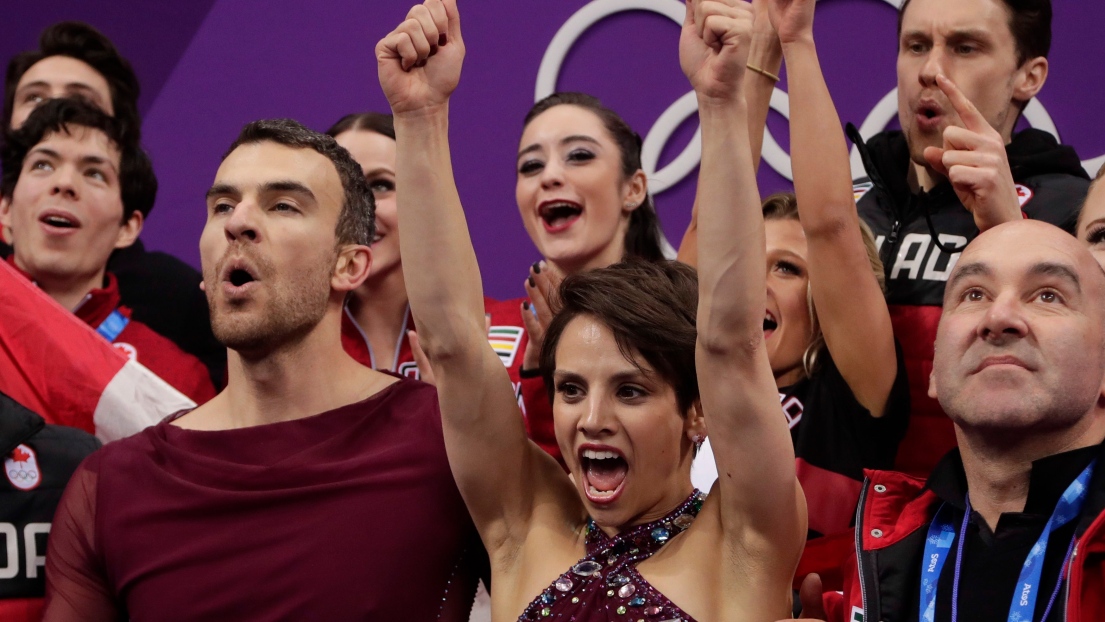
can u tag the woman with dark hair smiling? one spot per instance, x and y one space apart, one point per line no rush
635 385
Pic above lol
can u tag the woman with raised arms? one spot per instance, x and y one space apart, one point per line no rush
584 200
624 536
841 380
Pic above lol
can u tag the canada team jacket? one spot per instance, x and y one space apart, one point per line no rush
38 460
920 237
893 507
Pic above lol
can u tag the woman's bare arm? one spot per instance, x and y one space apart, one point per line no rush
766 54
849 302
500 473
762 506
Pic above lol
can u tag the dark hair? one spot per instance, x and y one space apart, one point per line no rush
642 239
1029 21
650 306
1093 185
84 43
375 122
137 182
357 220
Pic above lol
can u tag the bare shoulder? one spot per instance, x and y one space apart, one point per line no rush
712 573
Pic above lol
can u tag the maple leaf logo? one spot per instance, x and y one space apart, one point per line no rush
20 456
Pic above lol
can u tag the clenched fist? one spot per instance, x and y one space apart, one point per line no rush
419 62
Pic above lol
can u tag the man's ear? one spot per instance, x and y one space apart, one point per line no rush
5 211
352 267
1030 79
636 191
128 233
5 220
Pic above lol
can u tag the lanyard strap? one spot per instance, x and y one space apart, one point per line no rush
941 535
938 545
111 327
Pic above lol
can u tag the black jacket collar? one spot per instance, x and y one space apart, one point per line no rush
1048 480
17 424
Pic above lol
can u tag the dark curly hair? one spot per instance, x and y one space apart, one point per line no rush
137 182
83 42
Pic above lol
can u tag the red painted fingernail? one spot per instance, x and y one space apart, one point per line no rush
525 305
531 283
442 39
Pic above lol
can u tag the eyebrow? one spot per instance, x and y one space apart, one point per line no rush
221 190
629 375
959 33
85 159
280 185
1058 270
567 139
68 85
1043 268
978 34
1087 225
963 271
378 171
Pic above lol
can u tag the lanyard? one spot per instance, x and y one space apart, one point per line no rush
111 327
941 535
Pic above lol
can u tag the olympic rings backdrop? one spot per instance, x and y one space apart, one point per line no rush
209 66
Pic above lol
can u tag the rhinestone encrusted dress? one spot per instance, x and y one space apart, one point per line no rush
605 585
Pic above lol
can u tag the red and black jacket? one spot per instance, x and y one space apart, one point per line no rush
38 460
920 236
894 513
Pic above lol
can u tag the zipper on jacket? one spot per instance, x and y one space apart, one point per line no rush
892 239
859 548
1066 588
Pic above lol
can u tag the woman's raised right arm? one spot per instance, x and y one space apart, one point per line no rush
500 473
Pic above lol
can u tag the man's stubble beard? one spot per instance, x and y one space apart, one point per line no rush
290 314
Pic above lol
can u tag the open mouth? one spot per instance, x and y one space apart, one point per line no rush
604 474
770 324
60 221
929 113
559 215
239 277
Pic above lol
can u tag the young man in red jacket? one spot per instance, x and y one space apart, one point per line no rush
75 188
1012 524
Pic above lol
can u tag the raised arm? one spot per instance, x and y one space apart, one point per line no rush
765 54
762 506
500 474
850 305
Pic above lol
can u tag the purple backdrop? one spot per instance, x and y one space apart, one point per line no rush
209 66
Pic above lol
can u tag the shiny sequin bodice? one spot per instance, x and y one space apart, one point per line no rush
605 585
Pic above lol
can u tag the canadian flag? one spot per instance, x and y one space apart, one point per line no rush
56 365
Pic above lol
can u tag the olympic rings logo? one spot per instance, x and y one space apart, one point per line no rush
23 475
660 179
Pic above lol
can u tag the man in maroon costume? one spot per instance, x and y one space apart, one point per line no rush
312 488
